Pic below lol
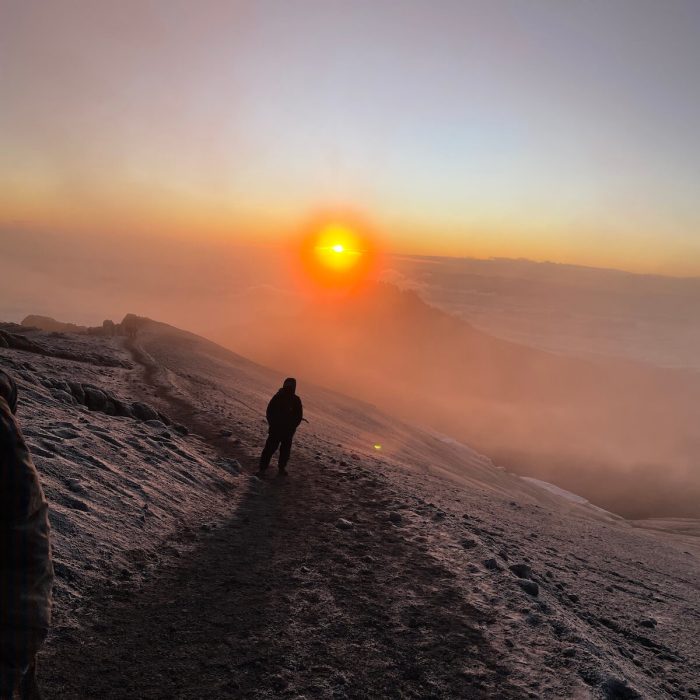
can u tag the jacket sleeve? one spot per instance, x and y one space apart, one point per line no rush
270 413
26 571
298 413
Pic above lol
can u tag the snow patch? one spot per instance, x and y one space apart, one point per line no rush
563 493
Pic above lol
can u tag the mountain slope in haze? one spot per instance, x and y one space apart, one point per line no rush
414 571
581 311
621 433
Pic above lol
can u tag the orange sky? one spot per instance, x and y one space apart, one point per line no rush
485 129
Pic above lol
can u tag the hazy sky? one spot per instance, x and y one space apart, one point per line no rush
553 130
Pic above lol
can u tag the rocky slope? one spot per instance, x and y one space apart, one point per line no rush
418 570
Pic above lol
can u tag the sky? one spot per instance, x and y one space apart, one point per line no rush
564 131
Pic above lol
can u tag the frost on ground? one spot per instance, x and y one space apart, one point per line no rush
417 570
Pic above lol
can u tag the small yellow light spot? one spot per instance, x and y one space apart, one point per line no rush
377 446
338 248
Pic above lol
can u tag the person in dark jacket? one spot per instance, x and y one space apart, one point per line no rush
284 414
26 571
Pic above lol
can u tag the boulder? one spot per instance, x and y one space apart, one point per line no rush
63 396
77 390
619 689
521 570
395 518
492 565
143 411
529 586
27 376
131 324
343 524
76 504
19 342
66 433
95 399
123 409
155 423
63 386
75 485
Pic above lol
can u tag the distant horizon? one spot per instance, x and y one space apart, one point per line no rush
191 285
533 261
276 244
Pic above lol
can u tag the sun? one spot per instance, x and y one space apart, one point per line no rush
338 247
336 254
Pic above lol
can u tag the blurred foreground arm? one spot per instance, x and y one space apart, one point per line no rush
26 572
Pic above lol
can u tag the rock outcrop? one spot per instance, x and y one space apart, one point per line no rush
51 325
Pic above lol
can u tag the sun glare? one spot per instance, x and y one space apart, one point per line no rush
336 254
338 247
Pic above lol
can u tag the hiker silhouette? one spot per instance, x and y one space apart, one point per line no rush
284 414
26 571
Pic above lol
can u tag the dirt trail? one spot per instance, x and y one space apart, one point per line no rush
278 601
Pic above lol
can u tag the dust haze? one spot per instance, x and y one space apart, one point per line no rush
581 377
